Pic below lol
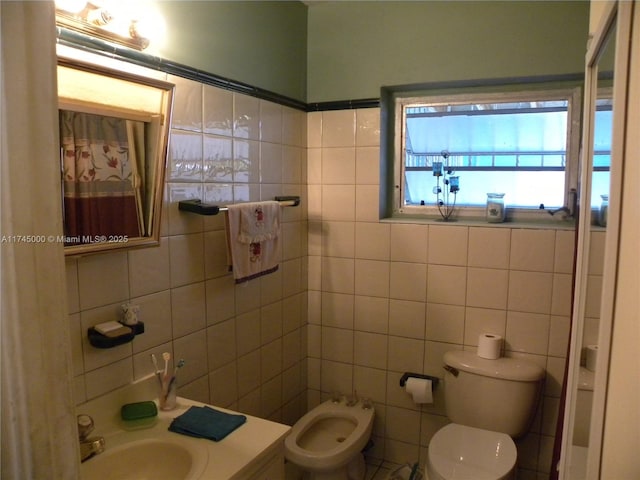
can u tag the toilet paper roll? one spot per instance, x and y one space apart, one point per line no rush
419 389
489 346
592 357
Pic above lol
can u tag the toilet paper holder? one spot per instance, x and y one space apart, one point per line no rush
407 375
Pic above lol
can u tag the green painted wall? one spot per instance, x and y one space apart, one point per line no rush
261 43
355 47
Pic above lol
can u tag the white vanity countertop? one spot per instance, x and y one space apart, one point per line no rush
234 457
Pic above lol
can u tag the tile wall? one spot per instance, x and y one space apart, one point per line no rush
245 345
386 298
383 298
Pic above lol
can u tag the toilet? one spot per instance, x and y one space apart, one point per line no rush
490 402
327 442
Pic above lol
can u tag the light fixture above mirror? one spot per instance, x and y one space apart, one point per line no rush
133 24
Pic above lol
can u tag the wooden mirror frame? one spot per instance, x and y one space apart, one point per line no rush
110 99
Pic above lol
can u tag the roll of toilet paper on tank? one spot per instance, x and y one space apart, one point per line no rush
419 389
592 357
489 346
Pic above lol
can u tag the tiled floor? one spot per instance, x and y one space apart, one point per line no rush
375 471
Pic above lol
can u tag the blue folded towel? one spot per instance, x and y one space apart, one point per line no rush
205 422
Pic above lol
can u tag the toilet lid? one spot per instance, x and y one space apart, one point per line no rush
461 452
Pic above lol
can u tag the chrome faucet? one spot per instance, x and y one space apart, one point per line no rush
566 210
88 446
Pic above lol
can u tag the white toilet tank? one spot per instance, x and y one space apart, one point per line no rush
499 395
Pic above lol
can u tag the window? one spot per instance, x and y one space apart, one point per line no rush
522 144
603 128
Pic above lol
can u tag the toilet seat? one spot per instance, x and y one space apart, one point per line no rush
339 455
458 452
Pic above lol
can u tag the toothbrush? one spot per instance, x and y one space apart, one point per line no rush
166 356
180 364
155 363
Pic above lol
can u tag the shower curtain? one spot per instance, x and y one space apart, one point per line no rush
101 176
39 436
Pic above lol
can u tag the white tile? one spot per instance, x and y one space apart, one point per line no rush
527 332
371 314
370 350
215 254
338 128
489 247
292 165
108 378
103 279
336 377
338 275
246 161
155 312
314 129
596 253
367 203
448 245
337 344
372 240
314 166
183 222
217 159
248 332
530 291
185 156
271 397
187 104
221 344
337 310
246 117
372 278
564 251
446 284
270 163
193 349
270 322
405 354
218 111
562 294
339 202
407 319
149 270
445 323
220 299
367 126
338 239
403 425
186 256
487 288
409 242
247 296
226 376
532 250
368 165
188 311
559 330
408 281
339 166
270 122
271 360
370 383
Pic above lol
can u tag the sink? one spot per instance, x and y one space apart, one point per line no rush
146 459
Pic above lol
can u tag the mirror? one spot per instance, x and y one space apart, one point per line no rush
114 130
600 189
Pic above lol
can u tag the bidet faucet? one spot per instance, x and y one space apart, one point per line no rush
88 446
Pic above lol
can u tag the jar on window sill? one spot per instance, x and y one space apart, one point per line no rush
495 207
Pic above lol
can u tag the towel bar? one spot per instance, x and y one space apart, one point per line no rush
196 206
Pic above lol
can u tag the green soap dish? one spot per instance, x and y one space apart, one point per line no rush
138 410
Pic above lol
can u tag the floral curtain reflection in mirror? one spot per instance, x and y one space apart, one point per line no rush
114 131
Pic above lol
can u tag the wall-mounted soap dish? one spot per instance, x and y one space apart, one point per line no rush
118 335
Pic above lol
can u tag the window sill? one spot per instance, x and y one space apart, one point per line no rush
532 220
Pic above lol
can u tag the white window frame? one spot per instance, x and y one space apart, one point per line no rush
547 93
